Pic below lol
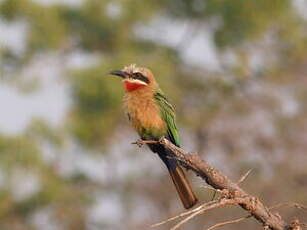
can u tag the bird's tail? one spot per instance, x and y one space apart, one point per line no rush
183 187
178 176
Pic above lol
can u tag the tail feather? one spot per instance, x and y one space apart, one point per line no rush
183 187
179 179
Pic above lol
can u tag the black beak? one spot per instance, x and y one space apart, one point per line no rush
119 73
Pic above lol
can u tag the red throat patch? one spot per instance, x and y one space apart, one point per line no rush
131 86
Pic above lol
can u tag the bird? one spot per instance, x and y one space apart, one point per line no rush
153 117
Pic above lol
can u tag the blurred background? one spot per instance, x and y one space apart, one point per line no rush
236 72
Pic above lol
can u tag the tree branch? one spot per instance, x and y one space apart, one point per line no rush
232 193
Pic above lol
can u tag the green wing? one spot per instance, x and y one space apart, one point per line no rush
168 115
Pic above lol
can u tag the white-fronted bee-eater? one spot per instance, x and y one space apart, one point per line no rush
152 116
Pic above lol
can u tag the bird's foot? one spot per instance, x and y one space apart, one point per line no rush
141 142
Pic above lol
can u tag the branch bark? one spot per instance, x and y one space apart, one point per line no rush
231 190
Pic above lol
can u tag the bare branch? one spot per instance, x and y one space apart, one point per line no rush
206 207
244 176
231 192
186 220
178 216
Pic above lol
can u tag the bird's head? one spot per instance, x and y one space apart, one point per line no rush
135 78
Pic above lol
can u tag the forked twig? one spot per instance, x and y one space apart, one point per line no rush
244 176
186 219
178 216
208 206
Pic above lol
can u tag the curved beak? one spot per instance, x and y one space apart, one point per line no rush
119 73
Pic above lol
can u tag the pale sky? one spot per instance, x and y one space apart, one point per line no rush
50 102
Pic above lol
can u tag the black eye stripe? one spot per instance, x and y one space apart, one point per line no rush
140 77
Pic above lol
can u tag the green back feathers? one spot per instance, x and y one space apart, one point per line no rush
168 115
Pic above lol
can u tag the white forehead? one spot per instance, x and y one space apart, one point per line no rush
132 69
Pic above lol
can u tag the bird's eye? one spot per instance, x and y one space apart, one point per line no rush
140 77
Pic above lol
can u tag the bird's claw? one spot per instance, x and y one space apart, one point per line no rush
139 143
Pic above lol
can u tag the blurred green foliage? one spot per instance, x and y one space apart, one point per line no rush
97 106
235 112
